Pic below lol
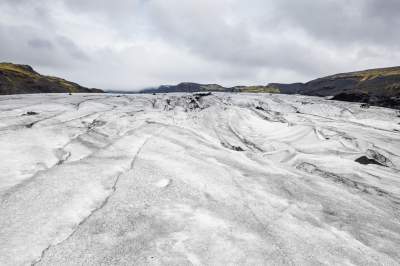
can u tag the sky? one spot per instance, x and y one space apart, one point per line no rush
135 44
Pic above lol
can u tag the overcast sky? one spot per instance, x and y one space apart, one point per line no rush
132 44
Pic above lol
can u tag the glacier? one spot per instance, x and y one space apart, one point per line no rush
197 179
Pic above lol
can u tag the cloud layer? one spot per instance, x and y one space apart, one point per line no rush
131 44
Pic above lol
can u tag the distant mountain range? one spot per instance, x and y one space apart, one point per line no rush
379 87
195 87
22 79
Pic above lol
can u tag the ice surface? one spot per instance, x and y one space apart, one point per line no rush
186 179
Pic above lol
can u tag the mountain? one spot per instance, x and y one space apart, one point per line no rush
380 87
21 79
185 87
195 87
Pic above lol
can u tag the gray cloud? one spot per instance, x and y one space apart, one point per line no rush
71 48
38 43
130 44
343 22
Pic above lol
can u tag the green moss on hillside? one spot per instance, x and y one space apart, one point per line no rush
260 89
20 69
369 74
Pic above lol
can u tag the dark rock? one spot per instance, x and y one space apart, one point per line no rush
237 148
203 94
31 113
351 97
232 147
368 100
365 160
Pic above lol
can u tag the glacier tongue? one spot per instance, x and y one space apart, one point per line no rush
177 179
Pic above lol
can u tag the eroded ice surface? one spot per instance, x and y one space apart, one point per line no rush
178 179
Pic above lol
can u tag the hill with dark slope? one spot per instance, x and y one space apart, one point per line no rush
22 79
380 87
379 82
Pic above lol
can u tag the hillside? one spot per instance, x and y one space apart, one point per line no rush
380 82
380 87
21 79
